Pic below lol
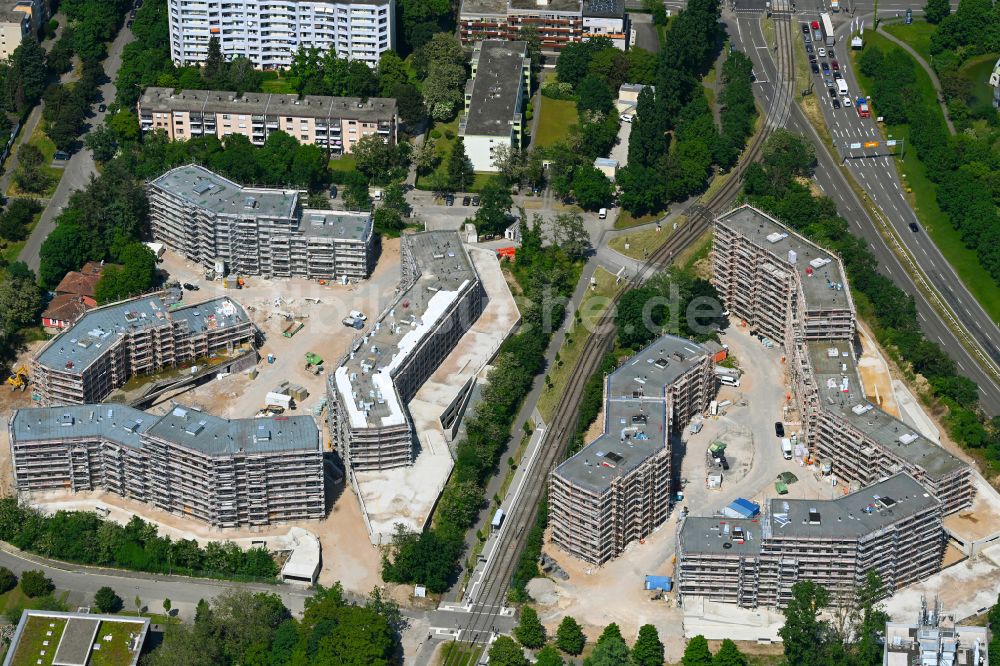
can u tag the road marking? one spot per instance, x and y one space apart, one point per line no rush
921 315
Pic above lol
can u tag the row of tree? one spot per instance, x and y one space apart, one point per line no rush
85 538
67 105
547 276
773 185
244 627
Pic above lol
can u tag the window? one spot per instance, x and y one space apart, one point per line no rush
225 116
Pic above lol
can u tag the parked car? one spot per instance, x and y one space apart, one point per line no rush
190 287
128 24
779 429
466 200
61 155
626 117
102 108
131 14
836 103
475 200
449 200
913 227
333 191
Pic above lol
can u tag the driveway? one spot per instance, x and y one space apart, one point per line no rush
80 166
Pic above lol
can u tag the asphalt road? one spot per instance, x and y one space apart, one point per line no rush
747 34
875 170
80 166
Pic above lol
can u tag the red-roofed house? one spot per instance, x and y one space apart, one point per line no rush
75 294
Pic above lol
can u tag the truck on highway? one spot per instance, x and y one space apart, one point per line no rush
862 106
828 29
842 86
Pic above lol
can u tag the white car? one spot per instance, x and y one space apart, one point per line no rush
357 314
847 102
627 117
822 52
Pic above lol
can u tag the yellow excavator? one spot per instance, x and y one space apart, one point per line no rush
18 380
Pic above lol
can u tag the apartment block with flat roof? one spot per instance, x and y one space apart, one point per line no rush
791 290
19 19
108 345
892 527
335 124
616 490
558 22
256 230
228 473
269 33
494 97
440 297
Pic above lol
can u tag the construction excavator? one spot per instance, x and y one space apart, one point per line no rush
18 379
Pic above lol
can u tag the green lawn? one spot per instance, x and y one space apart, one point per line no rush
40 140
643 243
460 655
558 115
977 71
344 163
442 146
922 193
917 34
33 642
113 652
274 83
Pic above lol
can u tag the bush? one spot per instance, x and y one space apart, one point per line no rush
34 583
448 134
8 581
107 601
556 90
435 133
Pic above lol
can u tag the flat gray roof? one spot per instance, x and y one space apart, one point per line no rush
117 423
184 426
473 8
840 391
820 272
852 516
348 225
709 534
499 78
214 435
207 189
635 427
73 350
372 109
76 642
364 378
532 6
604 8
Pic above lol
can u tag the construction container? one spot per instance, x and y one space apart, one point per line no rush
270 358
293 328
253 373
313 359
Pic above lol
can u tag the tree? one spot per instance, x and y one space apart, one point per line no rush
570 234
610 65
548 655
8 581
34 583
610 651
409 103
214 68
505 652
530 631
460 170
803 633
868 651
697 653
167 606
593 94
936 11
20 304
591 188
102 142
443 89
495 201
730 655
125 125
28 74
648 650
460 503
107 601
29 175
425 156
569 636
391 72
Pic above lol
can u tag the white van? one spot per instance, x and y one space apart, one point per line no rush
603 213
842 86
786 448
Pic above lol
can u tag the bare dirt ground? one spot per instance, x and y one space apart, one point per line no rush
271 304
9 401
875 374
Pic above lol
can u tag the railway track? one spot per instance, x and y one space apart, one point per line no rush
492 592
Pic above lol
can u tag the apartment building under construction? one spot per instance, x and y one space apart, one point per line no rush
791 290
892 527
108 345
617 489
257 231
228 473
440 297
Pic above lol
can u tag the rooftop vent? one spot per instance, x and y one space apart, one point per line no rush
202 186
775 236
813 516
907 438
195 428
67 420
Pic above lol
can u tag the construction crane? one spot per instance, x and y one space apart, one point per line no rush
18 379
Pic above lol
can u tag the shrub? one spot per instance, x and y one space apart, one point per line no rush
107 601
435 133
35 583
8 581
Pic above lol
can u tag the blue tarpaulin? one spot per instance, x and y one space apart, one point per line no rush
659 583
741 508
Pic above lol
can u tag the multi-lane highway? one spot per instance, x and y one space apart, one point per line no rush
747 33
